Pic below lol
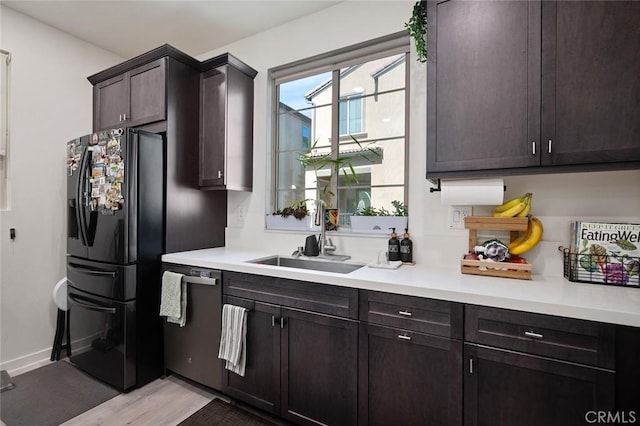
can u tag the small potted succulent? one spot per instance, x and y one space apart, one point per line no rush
373 220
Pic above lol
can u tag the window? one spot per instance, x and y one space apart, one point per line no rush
350 115
340 128
5 61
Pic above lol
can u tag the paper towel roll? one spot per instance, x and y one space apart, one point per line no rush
472 192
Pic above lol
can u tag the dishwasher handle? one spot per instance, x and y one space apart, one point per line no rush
199 280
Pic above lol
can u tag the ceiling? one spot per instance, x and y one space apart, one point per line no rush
129 28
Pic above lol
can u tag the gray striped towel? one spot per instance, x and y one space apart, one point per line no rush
173 299
233 347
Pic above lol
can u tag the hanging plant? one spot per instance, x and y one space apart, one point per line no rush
417 28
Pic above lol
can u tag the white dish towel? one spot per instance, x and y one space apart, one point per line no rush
173 300
233 340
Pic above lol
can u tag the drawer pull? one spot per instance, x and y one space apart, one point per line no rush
405 313
533 335
404 337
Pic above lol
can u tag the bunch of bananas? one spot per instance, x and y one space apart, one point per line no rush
528 239
516 207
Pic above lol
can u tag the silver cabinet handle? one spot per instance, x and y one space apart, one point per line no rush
404 337
549 146
281 322
533 147
124 117
273 321
405 313
533 335
120 118
219 174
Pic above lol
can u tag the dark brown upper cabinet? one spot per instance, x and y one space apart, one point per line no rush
132 98
226 124
160 91
590 82
532 87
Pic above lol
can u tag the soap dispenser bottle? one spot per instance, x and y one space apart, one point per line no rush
406 247
394 246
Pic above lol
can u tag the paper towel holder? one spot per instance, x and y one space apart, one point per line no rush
438 188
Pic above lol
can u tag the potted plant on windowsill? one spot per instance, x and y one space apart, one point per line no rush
372 220
293 217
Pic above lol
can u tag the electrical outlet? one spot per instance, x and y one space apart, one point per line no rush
457 215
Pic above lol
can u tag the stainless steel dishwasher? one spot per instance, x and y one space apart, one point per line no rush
192 351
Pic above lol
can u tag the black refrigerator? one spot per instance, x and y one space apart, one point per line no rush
115 237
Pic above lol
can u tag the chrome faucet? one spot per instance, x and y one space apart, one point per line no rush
325 244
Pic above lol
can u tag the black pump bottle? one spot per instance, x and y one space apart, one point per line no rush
406 247
394 246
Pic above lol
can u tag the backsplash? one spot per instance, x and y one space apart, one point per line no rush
558 200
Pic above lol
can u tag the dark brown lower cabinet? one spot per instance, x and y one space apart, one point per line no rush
409 378
319 368
510 388
260 385
301 365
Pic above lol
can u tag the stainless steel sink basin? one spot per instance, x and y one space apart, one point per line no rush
305 263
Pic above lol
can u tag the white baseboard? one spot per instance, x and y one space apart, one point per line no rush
38 359
26 363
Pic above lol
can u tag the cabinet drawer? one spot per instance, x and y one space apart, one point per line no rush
436 317
581 341
321 298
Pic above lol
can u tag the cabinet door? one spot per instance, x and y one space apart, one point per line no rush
510 388
590 64
260 385
213 131
110 103
319 368
483 85
147 93
408 378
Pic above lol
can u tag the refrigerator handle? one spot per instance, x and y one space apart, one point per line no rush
91 307
92 271
83 196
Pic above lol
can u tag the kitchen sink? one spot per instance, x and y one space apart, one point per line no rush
313 264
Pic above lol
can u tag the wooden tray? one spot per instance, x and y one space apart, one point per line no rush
515 225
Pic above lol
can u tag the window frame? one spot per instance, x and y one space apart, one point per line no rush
393 44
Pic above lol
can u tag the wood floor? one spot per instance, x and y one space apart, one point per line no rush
162 402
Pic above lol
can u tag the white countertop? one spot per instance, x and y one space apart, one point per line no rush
545 295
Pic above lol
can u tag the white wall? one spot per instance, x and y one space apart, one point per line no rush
51 104
559 198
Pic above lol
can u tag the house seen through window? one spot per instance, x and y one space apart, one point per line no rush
340 131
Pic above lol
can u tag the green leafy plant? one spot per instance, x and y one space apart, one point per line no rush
297 209
337 163
417 28
399 210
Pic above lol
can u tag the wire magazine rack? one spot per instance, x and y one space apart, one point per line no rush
597 269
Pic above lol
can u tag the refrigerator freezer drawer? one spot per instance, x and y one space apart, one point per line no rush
103 338
102 279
